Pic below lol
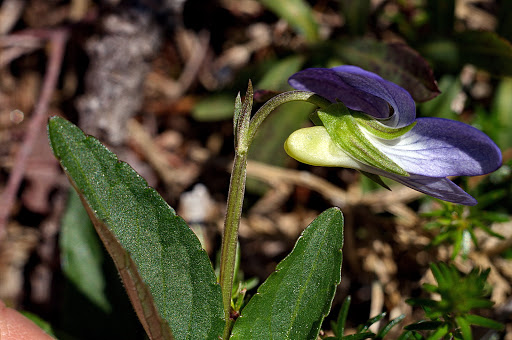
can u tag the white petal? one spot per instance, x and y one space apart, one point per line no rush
438 147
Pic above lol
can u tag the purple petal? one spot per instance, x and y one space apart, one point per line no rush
328 84
438 187
438 147
441 188
359 90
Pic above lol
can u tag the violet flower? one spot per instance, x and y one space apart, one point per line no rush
388 140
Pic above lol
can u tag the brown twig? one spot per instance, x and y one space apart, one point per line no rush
11 53
10 12
17 44
36 125
379 201
173 89
274 175
152 153
377 303
174 178
192 67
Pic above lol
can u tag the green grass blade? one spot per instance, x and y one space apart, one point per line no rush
359 336
298 14
382 333
342 317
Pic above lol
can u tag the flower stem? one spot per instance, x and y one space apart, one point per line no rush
245 132
230 238
282 98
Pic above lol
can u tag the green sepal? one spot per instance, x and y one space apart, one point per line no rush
344 130
375 126
242 115
376 179
315 119
237 111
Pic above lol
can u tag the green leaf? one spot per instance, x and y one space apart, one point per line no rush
298 14
439 333
339 330
81 253
395 62
382 333
356 15
457 245
478 320
440 272
359 336
502 110
429 287
167 275
409 335
44 325
424 326
485 50
465 328
276 76
443 54
471 303
214 108
373 320
294 300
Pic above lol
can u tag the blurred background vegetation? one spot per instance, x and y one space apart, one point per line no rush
156 82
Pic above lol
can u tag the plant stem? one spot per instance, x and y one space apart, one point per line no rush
230 238
282 98
245 133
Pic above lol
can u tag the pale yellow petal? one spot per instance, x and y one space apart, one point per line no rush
314 146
